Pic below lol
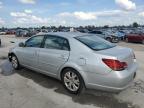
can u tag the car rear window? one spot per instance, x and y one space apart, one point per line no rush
95 43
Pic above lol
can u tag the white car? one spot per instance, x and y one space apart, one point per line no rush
78 60
2 33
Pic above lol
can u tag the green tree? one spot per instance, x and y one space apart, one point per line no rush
43 27
135 24
106 26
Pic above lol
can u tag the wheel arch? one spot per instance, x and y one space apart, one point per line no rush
108 38
78 69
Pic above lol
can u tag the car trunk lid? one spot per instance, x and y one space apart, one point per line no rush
120 53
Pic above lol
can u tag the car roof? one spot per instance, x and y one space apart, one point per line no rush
65 34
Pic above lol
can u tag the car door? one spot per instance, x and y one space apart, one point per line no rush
28 55
54 54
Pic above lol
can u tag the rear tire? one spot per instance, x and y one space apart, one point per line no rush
72 81
15 62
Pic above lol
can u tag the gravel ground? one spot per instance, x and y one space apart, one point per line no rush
28 89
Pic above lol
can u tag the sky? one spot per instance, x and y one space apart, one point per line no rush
33 13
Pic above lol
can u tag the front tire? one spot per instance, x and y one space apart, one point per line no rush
73 81
15 62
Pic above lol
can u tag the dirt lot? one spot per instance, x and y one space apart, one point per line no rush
28 89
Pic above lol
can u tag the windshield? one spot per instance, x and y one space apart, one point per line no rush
95 42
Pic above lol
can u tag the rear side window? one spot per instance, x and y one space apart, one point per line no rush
55 42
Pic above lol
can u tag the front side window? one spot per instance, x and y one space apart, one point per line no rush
34 41
54 42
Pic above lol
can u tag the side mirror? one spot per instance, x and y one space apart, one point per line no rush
21 44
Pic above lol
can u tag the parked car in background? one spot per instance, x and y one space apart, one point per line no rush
10 32
120 34
79 60
83 30
106 35
21 33
25 33
135 37
2 33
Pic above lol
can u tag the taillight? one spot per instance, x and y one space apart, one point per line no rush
115 65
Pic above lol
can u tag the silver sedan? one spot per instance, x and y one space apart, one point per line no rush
79 60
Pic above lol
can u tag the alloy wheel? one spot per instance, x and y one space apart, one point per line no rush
71 81
14 62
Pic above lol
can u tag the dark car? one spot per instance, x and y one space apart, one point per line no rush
106 36
21 33
135 37
25 33
10 32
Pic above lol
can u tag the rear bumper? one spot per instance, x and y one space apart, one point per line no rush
108 88
115 81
